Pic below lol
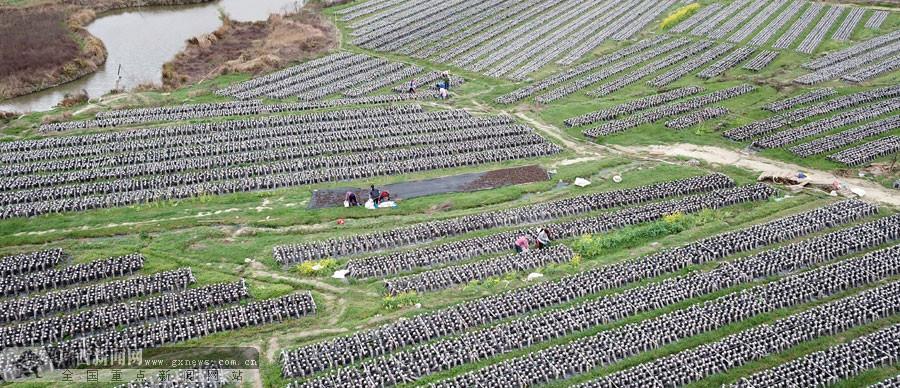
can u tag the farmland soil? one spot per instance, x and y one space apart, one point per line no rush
100 6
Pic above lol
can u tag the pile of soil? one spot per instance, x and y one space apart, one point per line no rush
507 177
252 47
451 184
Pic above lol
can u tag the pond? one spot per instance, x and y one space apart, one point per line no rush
140 40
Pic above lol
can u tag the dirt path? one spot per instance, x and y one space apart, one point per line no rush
342 308
581 148
323 287
717 155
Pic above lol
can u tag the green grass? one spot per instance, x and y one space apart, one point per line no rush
282 208
224 238
730 218
645 357
479 93
217 251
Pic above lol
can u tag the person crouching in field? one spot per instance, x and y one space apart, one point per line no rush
351 199
521 244
444 86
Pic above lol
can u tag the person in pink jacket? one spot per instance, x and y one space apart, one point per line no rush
522 244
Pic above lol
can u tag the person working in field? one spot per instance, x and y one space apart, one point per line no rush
351 199
543 238
521 244
374 194
444 86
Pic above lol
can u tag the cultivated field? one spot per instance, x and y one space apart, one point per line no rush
740 227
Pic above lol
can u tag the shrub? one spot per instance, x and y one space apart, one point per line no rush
72 99
6 117
674 218
55 118
576 260
401 300
472 283
317 267
679 15
70 69
591 247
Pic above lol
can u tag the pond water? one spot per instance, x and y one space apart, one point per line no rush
140 40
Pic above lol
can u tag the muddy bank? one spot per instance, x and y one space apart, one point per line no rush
101 6
161 32
334 3
252 47
46 47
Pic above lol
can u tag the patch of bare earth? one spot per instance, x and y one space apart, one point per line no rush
507 177
252 47
768 167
